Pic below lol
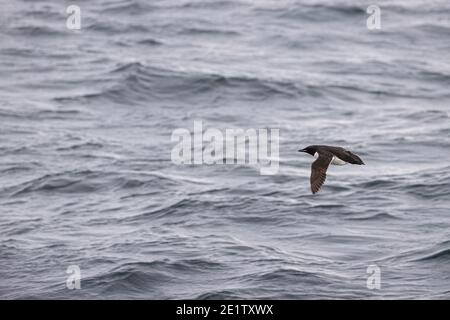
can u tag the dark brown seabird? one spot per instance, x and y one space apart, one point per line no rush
327 155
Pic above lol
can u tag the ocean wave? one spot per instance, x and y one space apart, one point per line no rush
429 191
430 183
54 183
147 276
286 276
87 181
442 255
174 209
139 83
438 253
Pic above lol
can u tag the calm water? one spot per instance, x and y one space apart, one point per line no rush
86 177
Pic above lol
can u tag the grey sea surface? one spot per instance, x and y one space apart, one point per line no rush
86 118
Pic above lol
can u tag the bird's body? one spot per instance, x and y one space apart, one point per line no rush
335 160
326 155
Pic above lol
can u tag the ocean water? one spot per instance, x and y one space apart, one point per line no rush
86 118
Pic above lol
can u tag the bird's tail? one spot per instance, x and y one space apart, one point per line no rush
354 159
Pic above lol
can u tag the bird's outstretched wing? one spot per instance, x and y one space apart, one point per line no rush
319 170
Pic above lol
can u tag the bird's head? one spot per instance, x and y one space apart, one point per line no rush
310 149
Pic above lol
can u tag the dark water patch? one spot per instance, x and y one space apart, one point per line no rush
16 169
45 12
261 219
336 187
175 209
428 191
131 8
383 216
343 238
443 255
427 115
174 266
379 184
36 115
219 295
207 32
150 42
36 31
319 12
433 29
139 195
19 52
127 280
215 5
52 184
63 182
439 77
285 276
56 114
116 27
210 191
82 146
328 207
385 92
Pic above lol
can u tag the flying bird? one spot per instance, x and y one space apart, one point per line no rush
326 155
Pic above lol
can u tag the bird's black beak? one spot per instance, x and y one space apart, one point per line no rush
302 150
